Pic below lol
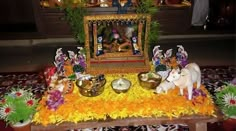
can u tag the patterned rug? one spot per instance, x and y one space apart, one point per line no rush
212 77
32 81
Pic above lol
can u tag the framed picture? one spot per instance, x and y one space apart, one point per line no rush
117 43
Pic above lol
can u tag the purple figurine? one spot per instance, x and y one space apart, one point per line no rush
181 56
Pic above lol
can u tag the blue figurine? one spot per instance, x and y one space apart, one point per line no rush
99 46
115 3
122 8
135 45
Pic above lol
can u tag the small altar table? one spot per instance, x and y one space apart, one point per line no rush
136 107
195 123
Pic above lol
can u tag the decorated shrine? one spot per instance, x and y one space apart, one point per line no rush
75 96
113 81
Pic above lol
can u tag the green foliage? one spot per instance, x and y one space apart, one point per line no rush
78 68
154 33
229 89
147 7
75 16
160 68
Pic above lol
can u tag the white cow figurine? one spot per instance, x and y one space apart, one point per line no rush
185 78
165 86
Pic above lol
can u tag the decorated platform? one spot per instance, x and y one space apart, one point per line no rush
137 102
170 92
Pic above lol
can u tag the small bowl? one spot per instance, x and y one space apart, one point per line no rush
91 88
149 80
121 85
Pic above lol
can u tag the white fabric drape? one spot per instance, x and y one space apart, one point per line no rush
200 12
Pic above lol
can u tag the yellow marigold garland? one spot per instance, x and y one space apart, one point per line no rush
137 102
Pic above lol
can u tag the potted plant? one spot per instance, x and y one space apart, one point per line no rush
226 100
17 108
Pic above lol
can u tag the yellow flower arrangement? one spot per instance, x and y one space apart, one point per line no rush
137 102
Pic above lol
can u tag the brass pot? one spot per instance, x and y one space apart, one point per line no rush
91 88
151 82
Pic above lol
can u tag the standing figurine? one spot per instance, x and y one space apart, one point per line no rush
72 57
59 62
122 6
135 45
167 57
80 61
157 56
181 56
99 46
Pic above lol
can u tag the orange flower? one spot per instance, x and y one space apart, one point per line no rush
137 102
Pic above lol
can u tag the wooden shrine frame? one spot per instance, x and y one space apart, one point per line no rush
117 62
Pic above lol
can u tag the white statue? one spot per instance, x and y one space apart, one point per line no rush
185 78
165 86
168 54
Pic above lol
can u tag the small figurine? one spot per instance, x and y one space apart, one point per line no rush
99 46
165 86
157 56
135 45
81 57
69 66
114 42
181 56
79 62
167 57
185 78
72 57
122 6
168 54
60 59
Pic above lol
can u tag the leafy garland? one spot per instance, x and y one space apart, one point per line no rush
147 7
74 14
